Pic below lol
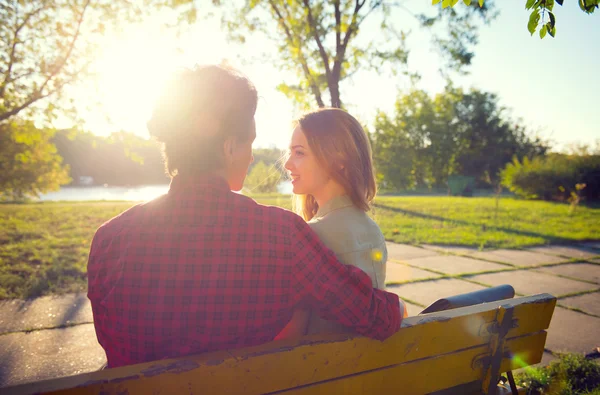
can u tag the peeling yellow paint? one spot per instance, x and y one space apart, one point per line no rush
430 352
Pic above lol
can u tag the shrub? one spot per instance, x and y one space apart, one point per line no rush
571 374
554 177
262 178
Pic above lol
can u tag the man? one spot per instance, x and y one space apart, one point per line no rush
203 268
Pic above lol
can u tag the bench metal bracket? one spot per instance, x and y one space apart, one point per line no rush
491 361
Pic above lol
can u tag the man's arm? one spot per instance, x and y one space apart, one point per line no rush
341 293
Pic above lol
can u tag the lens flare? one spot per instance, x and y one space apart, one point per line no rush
376 255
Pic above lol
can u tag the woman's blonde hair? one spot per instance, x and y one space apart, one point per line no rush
342 147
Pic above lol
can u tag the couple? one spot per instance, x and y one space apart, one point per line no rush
203 268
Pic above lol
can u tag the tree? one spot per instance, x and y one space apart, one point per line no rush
539 9
47 45
489 139
455 132
262 178
29 164
119 159
317 40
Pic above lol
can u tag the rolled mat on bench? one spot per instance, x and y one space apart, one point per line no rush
472 298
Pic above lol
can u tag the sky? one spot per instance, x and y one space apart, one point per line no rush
551 84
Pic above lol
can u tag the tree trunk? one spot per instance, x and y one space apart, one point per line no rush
334 91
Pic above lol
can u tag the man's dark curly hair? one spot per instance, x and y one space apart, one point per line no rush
198 109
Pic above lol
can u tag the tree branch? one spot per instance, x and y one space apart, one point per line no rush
39 93
69 51
314 87
34 98
338 24
14 48
341 50
313 28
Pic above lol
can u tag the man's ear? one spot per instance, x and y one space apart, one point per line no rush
229 149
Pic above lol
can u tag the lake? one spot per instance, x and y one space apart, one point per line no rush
137 193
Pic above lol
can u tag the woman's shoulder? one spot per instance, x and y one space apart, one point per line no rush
347 228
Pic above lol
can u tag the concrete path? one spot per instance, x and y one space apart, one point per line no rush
54 336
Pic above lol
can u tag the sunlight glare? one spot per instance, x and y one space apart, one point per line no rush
131 71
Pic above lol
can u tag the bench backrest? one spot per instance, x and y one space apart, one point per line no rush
431 352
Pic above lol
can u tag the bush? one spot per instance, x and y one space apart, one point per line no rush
262 179
572 374
554 177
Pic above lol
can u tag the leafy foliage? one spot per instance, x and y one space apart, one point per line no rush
571 374
29 164
539 10
47 45
318 40
430 138
554 177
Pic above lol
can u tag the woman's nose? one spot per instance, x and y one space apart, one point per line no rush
288 164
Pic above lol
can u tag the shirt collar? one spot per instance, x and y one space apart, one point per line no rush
181 183
333 204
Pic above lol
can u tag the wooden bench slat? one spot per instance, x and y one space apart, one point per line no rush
427 375
283 365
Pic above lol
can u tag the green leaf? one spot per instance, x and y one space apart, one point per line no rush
453 3
549 4
543 31
553 31
445 3
467 2
480 3
529 4
434 2
534 18
552 19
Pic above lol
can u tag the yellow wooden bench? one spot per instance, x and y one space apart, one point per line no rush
458 351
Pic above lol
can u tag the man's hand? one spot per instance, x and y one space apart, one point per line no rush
403 309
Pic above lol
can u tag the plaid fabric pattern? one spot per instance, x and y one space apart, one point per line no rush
203 268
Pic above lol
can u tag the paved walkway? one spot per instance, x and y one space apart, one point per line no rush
53 336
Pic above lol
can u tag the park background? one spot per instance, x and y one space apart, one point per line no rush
483 120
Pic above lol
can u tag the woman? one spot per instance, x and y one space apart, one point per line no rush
332 176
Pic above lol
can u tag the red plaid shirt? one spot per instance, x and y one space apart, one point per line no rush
203 268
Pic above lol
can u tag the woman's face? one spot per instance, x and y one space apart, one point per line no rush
308 176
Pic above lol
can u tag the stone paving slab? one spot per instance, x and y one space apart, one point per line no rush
399 273
427 292
573 332
450 264
569 252
458 250
46 354
590 303
402 252
526 282
582 271
518 258
44 312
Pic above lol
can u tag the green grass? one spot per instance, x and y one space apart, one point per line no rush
44 246
472 222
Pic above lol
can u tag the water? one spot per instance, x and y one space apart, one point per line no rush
138 193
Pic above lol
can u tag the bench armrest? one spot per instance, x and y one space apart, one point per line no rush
472 298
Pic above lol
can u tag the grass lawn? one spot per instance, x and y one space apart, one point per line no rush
44 247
